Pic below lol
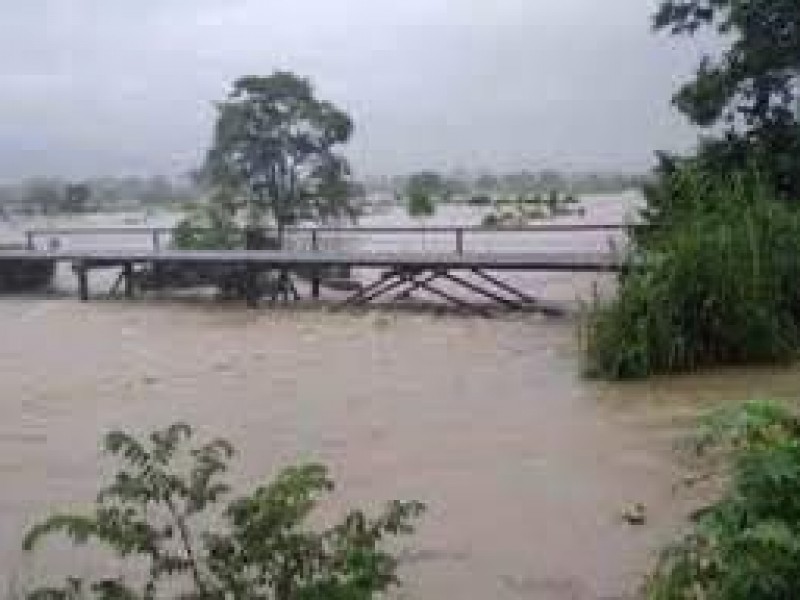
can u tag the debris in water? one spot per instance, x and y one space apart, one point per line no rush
635 514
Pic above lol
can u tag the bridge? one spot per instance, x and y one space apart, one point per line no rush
458 274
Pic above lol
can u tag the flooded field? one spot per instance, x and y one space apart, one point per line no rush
525 465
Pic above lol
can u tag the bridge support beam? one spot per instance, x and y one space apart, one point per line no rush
82 272
403 282
251 290
316 282
127 273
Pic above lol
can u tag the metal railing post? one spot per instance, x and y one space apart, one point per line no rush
460 241
29 240
156 240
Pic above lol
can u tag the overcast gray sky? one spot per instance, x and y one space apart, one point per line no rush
93 87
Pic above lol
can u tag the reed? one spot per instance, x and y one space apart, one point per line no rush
719 285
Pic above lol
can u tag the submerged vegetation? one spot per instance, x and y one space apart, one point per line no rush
744 546
210 227
424 190
25 275
522 209
162 514
421 204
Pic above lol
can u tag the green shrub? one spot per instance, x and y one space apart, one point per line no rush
715 285
162 511
491 220
207 229
420 204
746 545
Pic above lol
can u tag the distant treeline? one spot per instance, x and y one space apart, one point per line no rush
55 196
59 196
455 186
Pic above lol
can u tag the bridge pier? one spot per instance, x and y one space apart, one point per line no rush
82 272
251 293
127 273
316 282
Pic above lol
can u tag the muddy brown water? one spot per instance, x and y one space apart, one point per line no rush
524 464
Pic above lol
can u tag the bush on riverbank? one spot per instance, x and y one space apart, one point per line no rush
210 226
421 204
161 513
718 283
746 545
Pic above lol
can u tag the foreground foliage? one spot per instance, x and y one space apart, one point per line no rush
716 283
745 546
157 514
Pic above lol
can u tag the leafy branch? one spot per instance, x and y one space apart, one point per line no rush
157 508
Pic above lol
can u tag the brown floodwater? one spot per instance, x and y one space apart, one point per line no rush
525 465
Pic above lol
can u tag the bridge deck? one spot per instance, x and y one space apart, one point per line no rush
401 273
550 261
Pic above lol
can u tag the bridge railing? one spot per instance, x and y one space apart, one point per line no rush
458 240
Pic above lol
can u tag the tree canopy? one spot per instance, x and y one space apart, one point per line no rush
755 77
275 148
751 88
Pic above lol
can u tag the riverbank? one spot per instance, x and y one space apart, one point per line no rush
525 465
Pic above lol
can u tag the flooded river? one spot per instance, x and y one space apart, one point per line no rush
561 288
525 465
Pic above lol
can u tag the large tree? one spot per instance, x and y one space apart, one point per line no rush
275 149
750 89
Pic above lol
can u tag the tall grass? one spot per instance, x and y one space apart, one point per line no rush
716 283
